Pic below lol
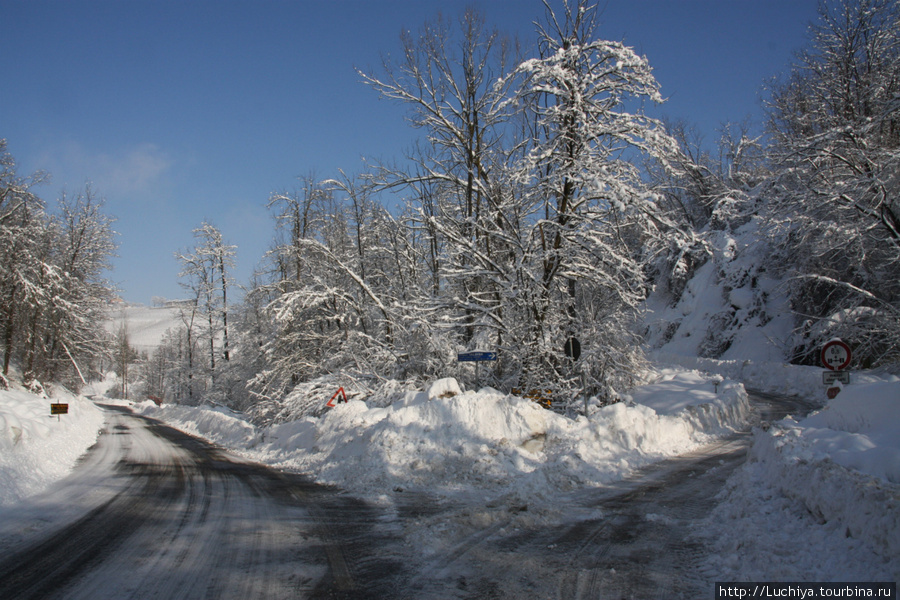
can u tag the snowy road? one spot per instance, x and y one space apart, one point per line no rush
154 513
632 540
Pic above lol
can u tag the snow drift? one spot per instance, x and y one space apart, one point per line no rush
843 462
36 448
450 441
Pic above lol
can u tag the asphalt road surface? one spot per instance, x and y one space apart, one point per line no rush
151 512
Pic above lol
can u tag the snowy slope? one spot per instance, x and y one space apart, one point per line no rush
146 325
731 307
823 494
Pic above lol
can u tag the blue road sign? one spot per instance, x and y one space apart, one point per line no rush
476 356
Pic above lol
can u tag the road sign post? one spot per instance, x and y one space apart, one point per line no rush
572 348
830 377
476 357
835 357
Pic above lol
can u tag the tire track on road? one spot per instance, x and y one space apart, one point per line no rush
182 520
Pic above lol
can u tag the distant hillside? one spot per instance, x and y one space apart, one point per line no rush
146 324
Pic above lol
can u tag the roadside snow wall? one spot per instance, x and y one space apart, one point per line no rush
843 462
449 440
36 448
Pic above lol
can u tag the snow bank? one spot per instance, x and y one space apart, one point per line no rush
36 448
860 429
214 423
772 377
759 533
843 462
451 441
710 404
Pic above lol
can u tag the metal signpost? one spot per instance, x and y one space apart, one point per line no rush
572 349
835 357
830 377
476 357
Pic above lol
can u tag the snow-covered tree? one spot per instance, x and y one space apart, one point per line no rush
335 300
52 286
205 276
835 123
526 191
455 82
84 243
22 221
587 209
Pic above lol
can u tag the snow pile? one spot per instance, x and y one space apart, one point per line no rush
451 441
710 404
36 448
761 531
763 376
822 495
860 430
214 423
843 462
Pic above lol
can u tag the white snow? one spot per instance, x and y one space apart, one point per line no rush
730 308
146 325
36 448
214 423
443 439
859 430
818 499
843 463
821 495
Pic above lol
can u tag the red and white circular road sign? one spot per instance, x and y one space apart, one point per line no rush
835 355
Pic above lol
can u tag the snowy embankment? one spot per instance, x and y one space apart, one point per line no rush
822 493
843 462
448 441
36 448
758 375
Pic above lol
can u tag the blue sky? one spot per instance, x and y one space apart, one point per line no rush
180 111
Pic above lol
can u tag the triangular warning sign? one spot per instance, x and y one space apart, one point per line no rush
342 393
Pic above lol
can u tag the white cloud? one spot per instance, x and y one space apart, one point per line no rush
129 173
